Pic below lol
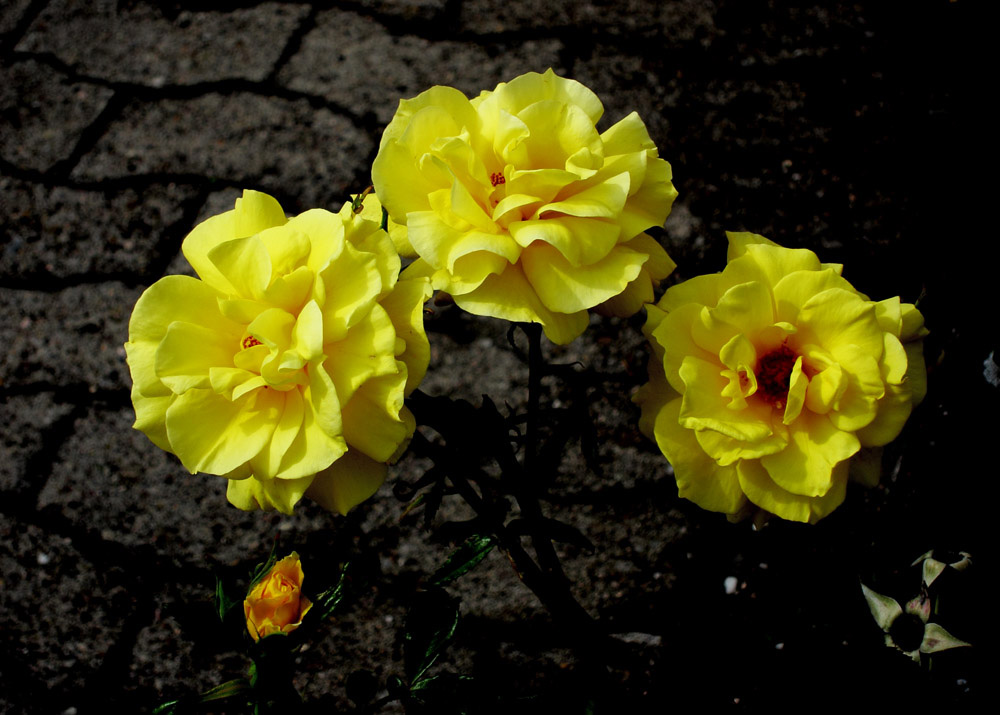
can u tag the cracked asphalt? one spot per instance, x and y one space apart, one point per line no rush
851 129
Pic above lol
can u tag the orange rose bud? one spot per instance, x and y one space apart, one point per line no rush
276 603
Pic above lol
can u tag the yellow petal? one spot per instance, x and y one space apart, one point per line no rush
893 411
825 389
631 300
911 323
604 200
650 205
245 264
347 482
839 319
626 136
858 404
703 406
287 247
510 296
739 240
746 307
307 335
372 421
212 434
775 262
351 285
564 288
660 265
805 467
256 211
288 292
653 397
700 290
171 299
368 350
671 336
405 306
531 87
187 353
798 383
280 494
793 291
320 441
765 493
889 315
726 450
580 241
150 417
698 477
442 245
266 465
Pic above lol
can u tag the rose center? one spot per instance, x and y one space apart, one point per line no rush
774 372
497 178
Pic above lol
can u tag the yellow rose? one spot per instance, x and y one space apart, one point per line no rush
285 367
276 603
770 376
520 209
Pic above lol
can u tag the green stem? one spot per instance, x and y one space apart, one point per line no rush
526 480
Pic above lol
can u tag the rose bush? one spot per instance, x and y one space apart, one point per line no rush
768 378
276 603
519 208
285 367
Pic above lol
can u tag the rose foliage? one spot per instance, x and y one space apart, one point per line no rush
285 366
276 604
519 208
770 377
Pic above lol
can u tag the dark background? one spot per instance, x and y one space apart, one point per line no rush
855 130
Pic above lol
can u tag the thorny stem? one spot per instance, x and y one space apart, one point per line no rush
527 479
549 585
553 594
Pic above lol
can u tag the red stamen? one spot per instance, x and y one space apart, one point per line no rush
249 341
497 179
774 373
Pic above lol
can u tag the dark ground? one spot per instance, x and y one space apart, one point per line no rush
854 130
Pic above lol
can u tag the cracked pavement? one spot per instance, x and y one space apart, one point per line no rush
850 130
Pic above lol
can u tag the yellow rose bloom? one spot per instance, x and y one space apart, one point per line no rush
276 604
285 367
769 377
519 208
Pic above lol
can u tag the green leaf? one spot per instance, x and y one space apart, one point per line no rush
223 603
226 690
261 570
465 558
328 601
885 610
395 685
937 639
167 708
430 626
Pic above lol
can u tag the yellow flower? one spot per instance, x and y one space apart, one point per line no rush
520 209
285 367
276 603
770 376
